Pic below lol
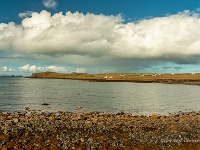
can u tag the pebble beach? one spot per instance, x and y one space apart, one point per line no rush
93 130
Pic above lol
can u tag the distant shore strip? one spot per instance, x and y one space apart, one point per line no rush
189 78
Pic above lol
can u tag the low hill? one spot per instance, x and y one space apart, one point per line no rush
129 77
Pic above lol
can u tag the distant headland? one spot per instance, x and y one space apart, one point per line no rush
11 76
185 78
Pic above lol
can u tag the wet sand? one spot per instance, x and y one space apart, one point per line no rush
92 130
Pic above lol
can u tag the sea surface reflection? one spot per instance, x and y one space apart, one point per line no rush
112 97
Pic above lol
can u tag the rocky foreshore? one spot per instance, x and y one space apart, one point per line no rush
92 130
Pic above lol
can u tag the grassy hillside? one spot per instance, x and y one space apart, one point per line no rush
129 77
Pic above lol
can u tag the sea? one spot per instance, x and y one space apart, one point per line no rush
16 93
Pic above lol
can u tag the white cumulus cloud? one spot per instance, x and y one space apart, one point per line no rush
33 68
80 70
10 69
5 68
49 3
173 37
25 14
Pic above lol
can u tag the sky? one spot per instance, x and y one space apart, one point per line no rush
104 36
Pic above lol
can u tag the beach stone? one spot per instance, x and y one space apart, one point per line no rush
90 139
27 108
5 113
10 117
82 139
79 107
16 120
64 130
46 104
172 128
113 144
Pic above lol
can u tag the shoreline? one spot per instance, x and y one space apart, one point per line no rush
67 130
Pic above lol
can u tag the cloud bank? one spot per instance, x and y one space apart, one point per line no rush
28 69
33 68
173 38
5 69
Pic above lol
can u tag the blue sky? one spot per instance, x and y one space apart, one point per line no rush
99 36
134 9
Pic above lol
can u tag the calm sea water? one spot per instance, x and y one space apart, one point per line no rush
66 95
